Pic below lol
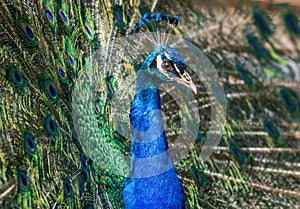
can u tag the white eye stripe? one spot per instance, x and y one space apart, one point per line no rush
159 62
167 56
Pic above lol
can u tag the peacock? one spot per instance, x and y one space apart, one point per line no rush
149 104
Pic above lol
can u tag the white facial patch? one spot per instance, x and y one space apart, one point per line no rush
159 62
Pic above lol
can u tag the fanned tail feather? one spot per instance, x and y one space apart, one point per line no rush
60 147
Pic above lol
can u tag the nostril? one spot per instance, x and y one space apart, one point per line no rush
186 76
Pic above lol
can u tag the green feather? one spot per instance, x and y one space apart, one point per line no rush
67 83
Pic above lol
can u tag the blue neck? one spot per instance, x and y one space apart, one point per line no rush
153 181
150 153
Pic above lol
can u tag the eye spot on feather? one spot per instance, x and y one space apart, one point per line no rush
50 126
15 76
23 182
27 29
67 189
49 15
288 100
29 144
63 17
50 90
71 61
48 9
261 21
271 128
62 73
29 32
291 23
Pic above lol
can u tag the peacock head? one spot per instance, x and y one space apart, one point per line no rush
166 64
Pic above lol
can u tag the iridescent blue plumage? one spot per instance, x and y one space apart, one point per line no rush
153 180
151 21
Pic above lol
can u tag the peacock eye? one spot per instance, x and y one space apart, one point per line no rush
167 66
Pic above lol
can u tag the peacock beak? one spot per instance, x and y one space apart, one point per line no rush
185 80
